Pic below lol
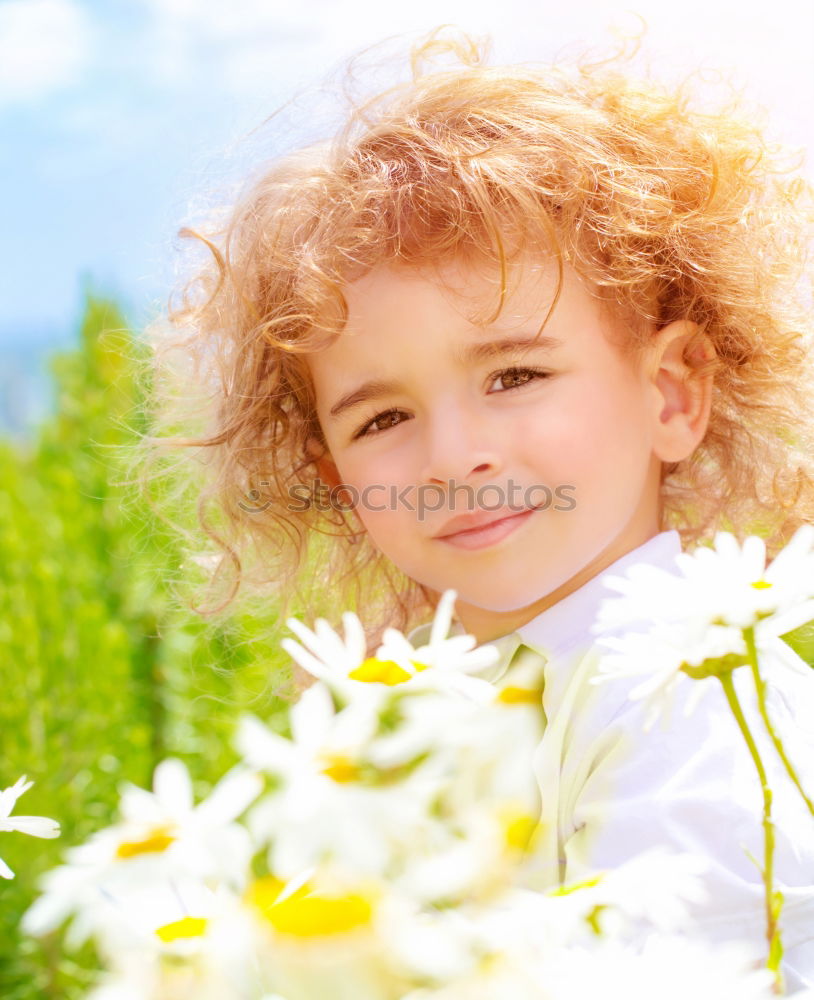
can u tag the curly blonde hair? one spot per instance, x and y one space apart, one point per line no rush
673 213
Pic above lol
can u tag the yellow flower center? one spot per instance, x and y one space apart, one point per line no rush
158 840
761 585
263 892
387 672
186 927
341 769
306 914
511 695
519 829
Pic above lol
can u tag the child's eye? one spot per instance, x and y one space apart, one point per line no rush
514 378
381 422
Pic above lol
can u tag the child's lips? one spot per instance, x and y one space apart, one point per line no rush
476 531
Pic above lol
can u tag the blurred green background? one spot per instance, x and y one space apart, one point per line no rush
105 671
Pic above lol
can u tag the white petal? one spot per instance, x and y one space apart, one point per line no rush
262 748
229 798
471 688
754 557
787 621
5 871
453 646
34 826
63 889
323 668
698 692
652 684
9 796
308 639
311 716
306 660
795 557
725 543
140 806
479 659
173 787
332 648
396 647
443 617
354 725
355 638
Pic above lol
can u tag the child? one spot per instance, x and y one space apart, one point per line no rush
512 329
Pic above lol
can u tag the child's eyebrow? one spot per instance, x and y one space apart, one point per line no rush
378 388
499 348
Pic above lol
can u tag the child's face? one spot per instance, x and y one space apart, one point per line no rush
562 434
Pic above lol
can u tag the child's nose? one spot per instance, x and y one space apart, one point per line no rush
458 447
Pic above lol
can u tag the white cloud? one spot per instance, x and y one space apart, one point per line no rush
45 45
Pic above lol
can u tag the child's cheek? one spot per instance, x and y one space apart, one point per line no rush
592 435
381 488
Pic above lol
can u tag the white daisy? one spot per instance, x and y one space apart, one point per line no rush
162 835
333 802
171 917
727 584
657 659
443 663
650 891
696 618
180 932
457 654
329 933
34 826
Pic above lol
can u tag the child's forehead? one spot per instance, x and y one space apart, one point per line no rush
464 311
483 293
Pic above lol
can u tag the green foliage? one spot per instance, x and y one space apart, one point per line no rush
105 672
801 641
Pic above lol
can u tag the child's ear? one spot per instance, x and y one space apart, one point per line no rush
324 464
683 394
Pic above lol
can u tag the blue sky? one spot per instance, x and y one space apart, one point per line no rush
117 117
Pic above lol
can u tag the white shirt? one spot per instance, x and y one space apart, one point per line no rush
689 785
610 789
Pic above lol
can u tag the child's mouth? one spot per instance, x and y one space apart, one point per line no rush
483 535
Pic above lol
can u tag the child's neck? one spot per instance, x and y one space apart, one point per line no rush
487 625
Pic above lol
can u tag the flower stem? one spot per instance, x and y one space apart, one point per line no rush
772 928
760 686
